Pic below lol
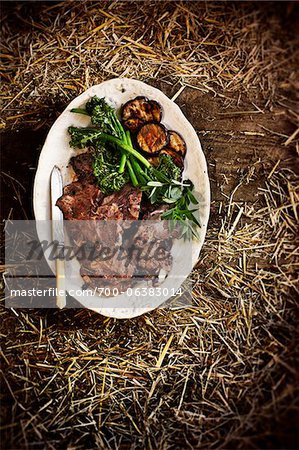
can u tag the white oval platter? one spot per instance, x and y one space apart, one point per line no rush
56 151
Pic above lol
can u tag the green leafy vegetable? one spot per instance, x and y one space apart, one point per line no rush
83 137
179 196
168 168
181 213
108 129
104 117
105 170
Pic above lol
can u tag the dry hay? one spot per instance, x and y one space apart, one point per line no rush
52 52
216 375
222 373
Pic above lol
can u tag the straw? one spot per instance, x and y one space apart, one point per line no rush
221 373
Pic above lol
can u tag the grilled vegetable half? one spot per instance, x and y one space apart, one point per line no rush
177 159
139 111
152 137
154 160
177 143
133 124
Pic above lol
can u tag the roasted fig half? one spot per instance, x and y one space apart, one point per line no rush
152 137
177 143
177 159
139 111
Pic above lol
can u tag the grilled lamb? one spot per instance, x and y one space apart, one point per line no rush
79 200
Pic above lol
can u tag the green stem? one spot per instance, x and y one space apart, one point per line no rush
126 147
144 178
137 169
79 111
132 174
107 137
127 140
161 177
122 164
128 137
118 126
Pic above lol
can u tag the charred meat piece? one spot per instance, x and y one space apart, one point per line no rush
142 253
79 200
84 201
139 111
156 213
154 241
177 159
82 164
152 212
112 211
113 271
92 235
104 268
177 143
124 205
152 137
107 269
83 168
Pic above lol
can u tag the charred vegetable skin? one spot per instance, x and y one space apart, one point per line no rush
139 111
176 148
177 159
152 137
142 116
154 161
177 143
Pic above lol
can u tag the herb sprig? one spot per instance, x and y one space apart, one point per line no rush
180 197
